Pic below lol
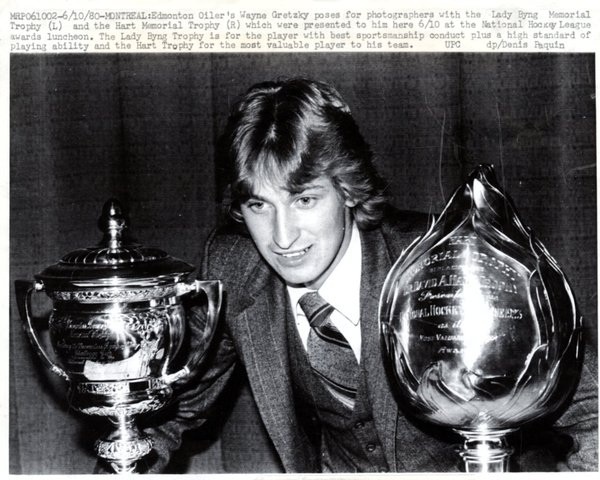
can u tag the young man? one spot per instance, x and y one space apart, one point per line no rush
302 270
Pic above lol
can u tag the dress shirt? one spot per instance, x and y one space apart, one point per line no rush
341 290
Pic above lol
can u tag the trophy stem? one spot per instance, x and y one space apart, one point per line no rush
124 445
485 451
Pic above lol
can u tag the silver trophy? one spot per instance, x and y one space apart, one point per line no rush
116 325
479 325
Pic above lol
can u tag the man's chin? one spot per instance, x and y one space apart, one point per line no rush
297 283
297 280
308 281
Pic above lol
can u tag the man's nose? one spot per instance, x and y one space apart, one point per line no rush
285 231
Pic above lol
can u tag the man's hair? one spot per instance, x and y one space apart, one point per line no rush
291 132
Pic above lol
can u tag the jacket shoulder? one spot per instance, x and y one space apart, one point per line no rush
406 220
400 228
230 254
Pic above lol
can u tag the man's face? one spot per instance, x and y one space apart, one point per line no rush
302 236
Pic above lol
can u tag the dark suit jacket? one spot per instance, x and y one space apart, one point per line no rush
254 334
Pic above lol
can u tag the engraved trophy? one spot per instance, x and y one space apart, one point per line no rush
116 325
479 326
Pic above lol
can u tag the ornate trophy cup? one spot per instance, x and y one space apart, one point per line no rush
116 325
479 325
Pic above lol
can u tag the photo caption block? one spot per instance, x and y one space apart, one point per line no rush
324 30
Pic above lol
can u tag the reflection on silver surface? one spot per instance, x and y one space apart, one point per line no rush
117 323
479 325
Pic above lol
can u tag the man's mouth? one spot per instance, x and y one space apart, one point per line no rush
296 254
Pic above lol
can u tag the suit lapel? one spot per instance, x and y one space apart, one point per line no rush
376 263
265 352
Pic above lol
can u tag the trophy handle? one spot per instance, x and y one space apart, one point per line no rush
207 326
54 368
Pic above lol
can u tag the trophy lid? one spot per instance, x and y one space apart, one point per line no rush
118 260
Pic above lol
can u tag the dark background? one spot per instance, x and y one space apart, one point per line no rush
142 128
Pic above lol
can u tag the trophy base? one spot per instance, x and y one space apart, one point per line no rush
124 446
120 402
485 451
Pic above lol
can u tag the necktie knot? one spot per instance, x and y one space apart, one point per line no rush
316 308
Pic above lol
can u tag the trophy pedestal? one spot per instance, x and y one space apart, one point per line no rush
121 402
485 451
124 446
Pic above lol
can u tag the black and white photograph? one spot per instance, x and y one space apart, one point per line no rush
341 262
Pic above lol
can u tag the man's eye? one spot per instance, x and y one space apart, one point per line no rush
255 206
306 201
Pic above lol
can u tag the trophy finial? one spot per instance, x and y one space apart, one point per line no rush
112 223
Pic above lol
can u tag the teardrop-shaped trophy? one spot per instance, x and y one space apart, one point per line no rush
480 327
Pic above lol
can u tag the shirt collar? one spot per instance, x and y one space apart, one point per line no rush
341 288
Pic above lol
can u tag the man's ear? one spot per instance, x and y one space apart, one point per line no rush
350 202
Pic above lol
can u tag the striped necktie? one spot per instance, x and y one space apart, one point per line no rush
329 353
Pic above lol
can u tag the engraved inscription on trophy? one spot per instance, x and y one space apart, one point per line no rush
99 351
457 299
